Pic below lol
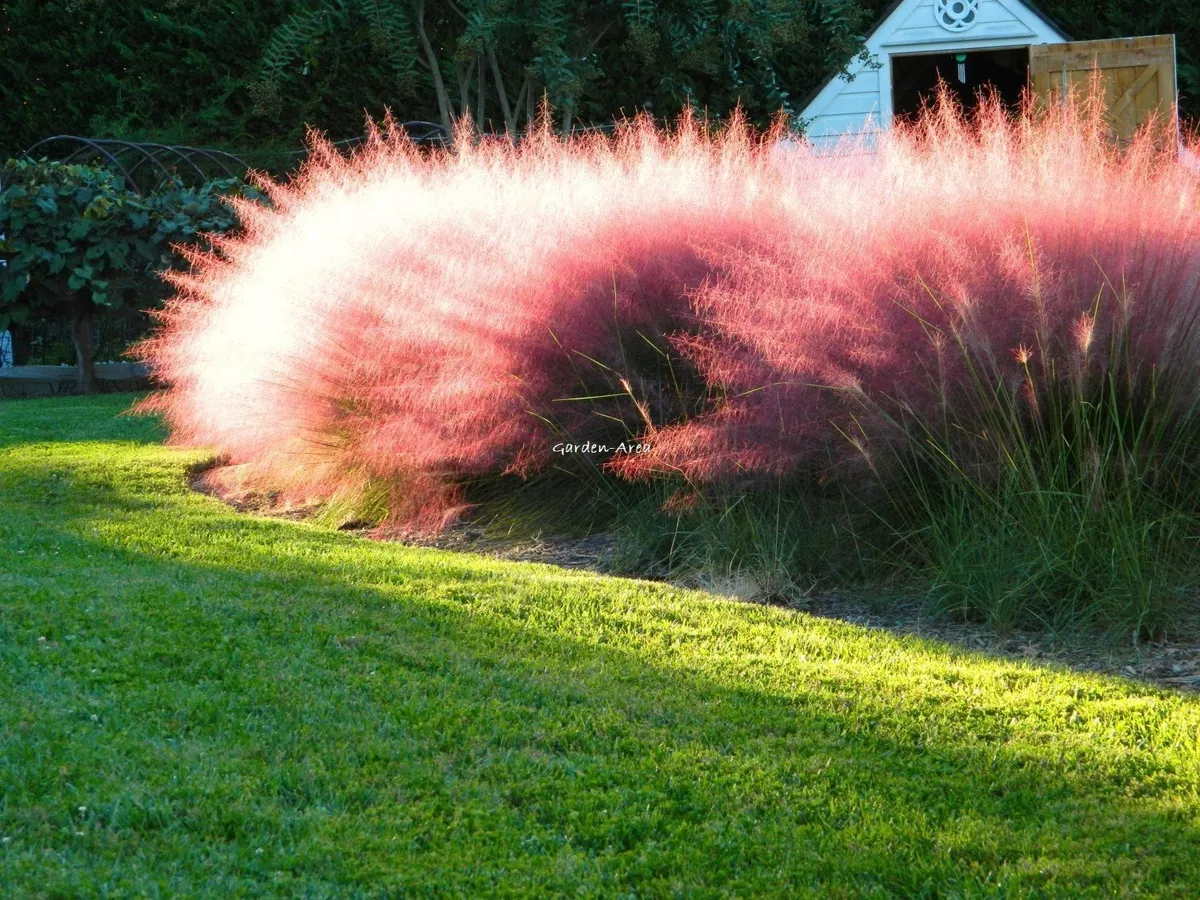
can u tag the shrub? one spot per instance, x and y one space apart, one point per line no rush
979 323
78 241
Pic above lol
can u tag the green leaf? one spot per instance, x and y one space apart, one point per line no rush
11 289
78 223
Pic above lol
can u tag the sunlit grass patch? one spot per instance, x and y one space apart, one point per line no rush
197 702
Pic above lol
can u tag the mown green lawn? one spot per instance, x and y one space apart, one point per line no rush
198 703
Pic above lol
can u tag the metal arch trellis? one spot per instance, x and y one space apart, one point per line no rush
157 151
425 132
134 159
147 166
166 162
92 144
419 132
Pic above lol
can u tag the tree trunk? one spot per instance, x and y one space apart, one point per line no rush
85 350
22 343
510 120
519 104
480 100
439 85
463 71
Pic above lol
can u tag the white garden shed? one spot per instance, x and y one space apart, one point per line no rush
1006 45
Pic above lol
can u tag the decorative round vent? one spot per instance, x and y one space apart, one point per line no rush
956 15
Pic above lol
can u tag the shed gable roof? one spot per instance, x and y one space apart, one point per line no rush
908 9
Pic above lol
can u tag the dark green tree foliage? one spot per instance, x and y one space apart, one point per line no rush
177 71
764 55
293 47
78 242
249 75
589 60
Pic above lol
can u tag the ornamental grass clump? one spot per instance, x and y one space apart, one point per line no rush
970 354
1065 495
399 323
995 346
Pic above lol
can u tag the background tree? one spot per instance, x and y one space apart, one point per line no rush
584 59
219 72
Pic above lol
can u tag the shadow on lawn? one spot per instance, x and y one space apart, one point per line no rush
525 716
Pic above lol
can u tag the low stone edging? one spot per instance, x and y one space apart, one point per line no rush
47 381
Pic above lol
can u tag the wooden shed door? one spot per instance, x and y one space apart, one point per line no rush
1137 76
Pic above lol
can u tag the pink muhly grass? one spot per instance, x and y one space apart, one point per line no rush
988 235
417 321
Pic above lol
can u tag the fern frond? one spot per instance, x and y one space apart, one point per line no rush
392 35
288 40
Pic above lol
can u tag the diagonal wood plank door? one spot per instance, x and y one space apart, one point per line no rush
1137 77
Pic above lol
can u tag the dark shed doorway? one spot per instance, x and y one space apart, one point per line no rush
915 78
